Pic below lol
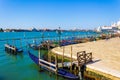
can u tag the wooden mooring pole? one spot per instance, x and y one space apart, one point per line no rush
14 50
56 62
71 59
39 60
83 58
63 57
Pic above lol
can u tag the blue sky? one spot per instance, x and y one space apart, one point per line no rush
67 14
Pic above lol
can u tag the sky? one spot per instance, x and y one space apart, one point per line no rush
67 14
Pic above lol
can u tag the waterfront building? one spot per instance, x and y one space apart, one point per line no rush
115 27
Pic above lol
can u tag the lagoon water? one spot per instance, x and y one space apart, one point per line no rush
21 67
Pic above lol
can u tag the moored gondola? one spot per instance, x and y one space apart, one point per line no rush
60 72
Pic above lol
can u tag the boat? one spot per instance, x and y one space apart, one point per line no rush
12 49
60 72
34 46
67 42
43 46
37 46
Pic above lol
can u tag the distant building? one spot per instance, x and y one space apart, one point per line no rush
106 28
7 30
115 27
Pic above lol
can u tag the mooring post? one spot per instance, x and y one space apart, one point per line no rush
39 60
71 59
79 74
85 57
14 49
49 60
63 57
8 48
79 57
48 46
49 57
56 62
91 56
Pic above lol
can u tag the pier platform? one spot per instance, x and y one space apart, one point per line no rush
106 56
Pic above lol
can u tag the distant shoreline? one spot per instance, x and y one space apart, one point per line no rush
41 30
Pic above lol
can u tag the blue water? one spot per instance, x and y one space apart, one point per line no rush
21 67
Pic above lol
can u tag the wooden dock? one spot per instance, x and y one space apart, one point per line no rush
105 56
12 49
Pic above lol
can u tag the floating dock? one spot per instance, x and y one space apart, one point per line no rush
12 49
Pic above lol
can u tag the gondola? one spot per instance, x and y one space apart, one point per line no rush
61 72
34 46
42 46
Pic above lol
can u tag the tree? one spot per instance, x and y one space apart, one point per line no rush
1 30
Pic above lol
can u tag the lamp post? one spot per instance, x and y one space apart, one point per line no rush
59 34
